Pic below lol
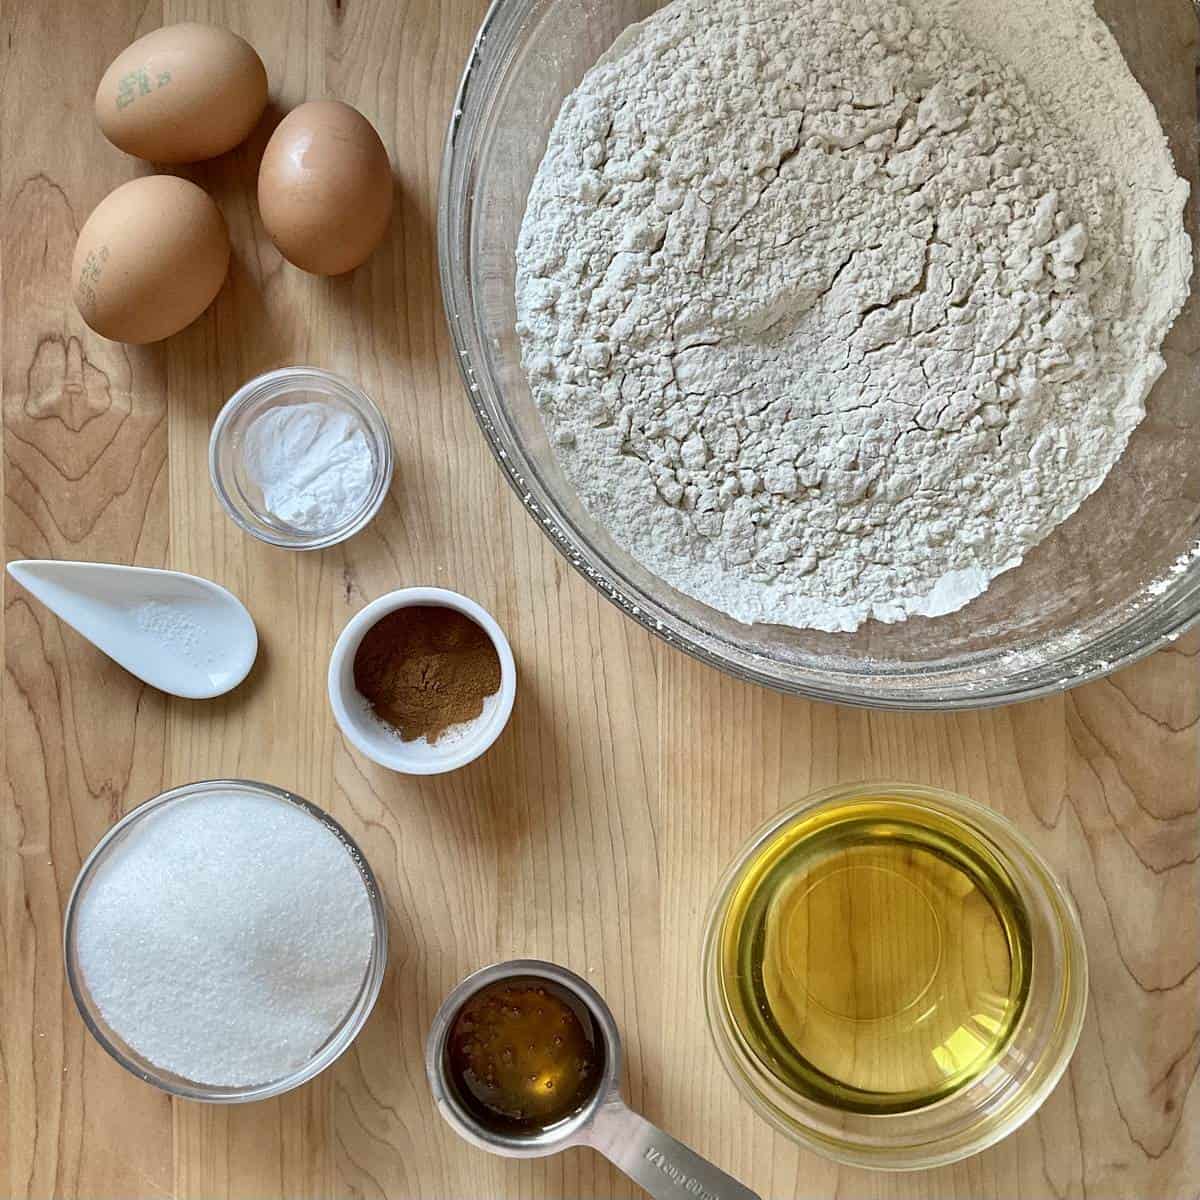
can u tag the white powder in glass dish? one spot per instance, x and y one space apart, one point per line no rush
834 309
312 463
225 937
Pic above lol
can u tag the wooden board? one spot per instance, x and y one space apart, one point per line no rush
594 832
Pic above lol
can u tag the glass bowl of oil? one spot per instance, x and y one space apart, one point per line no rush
893 975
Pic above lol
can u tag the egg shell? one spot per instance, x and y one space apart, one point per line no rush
325 187
182 93
150 259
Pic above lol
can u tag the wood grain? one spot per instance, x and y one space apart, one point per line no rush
595 830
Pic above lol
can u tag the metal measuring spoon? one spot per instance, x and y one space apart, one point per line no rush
654 1160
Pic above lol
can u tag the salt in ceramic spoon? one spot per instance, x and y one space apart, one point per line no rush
654 1160
180 634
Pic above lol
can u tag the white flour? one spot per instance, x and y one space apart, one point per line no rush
834 309
312 463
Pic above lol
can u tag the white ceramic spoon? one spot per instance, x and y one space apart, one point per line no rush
178 633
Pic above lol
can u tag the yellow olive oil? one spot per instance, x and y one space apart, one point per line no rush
875 955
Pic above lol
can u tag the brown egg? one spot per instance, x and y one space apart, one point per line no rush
325 187
149 260
182 93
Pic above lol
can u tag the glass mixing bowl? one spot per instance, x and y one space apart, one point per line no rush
992 1104
1118 580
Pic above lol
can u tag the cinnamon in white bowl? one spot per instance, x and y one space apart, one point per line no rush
427 671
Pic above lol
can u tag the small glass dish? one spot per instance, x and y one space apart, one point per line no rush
241 496
987 1106
136 1063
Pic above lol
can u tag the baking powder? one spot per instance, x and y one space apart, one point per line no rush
312 463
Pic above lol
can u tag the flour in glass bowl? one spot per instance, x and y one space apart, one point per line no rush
834 309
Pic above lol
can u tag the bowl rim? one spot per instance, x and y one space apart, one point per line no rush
1057 1053
1145 624
338 1042
279 382
401 761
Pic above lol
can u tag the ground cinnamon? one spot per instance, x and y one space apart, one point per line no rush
425 668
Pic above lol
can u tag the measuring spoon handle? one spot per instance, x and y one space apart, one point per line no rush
655 1161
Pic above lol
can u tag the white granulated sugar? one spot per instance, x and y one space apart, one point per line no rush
312 463
177 631
833 309
226 938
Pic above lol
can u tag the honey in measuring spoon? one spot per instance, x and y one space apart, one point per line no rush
523 1055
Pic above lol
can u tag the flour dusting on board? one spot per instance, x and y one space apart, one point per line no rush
834 310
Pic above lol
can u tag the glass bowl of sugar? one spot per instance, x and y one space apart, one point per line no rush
196 951
301 458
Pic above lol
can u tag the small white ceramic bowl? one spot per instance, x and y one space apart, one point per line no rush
381 744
